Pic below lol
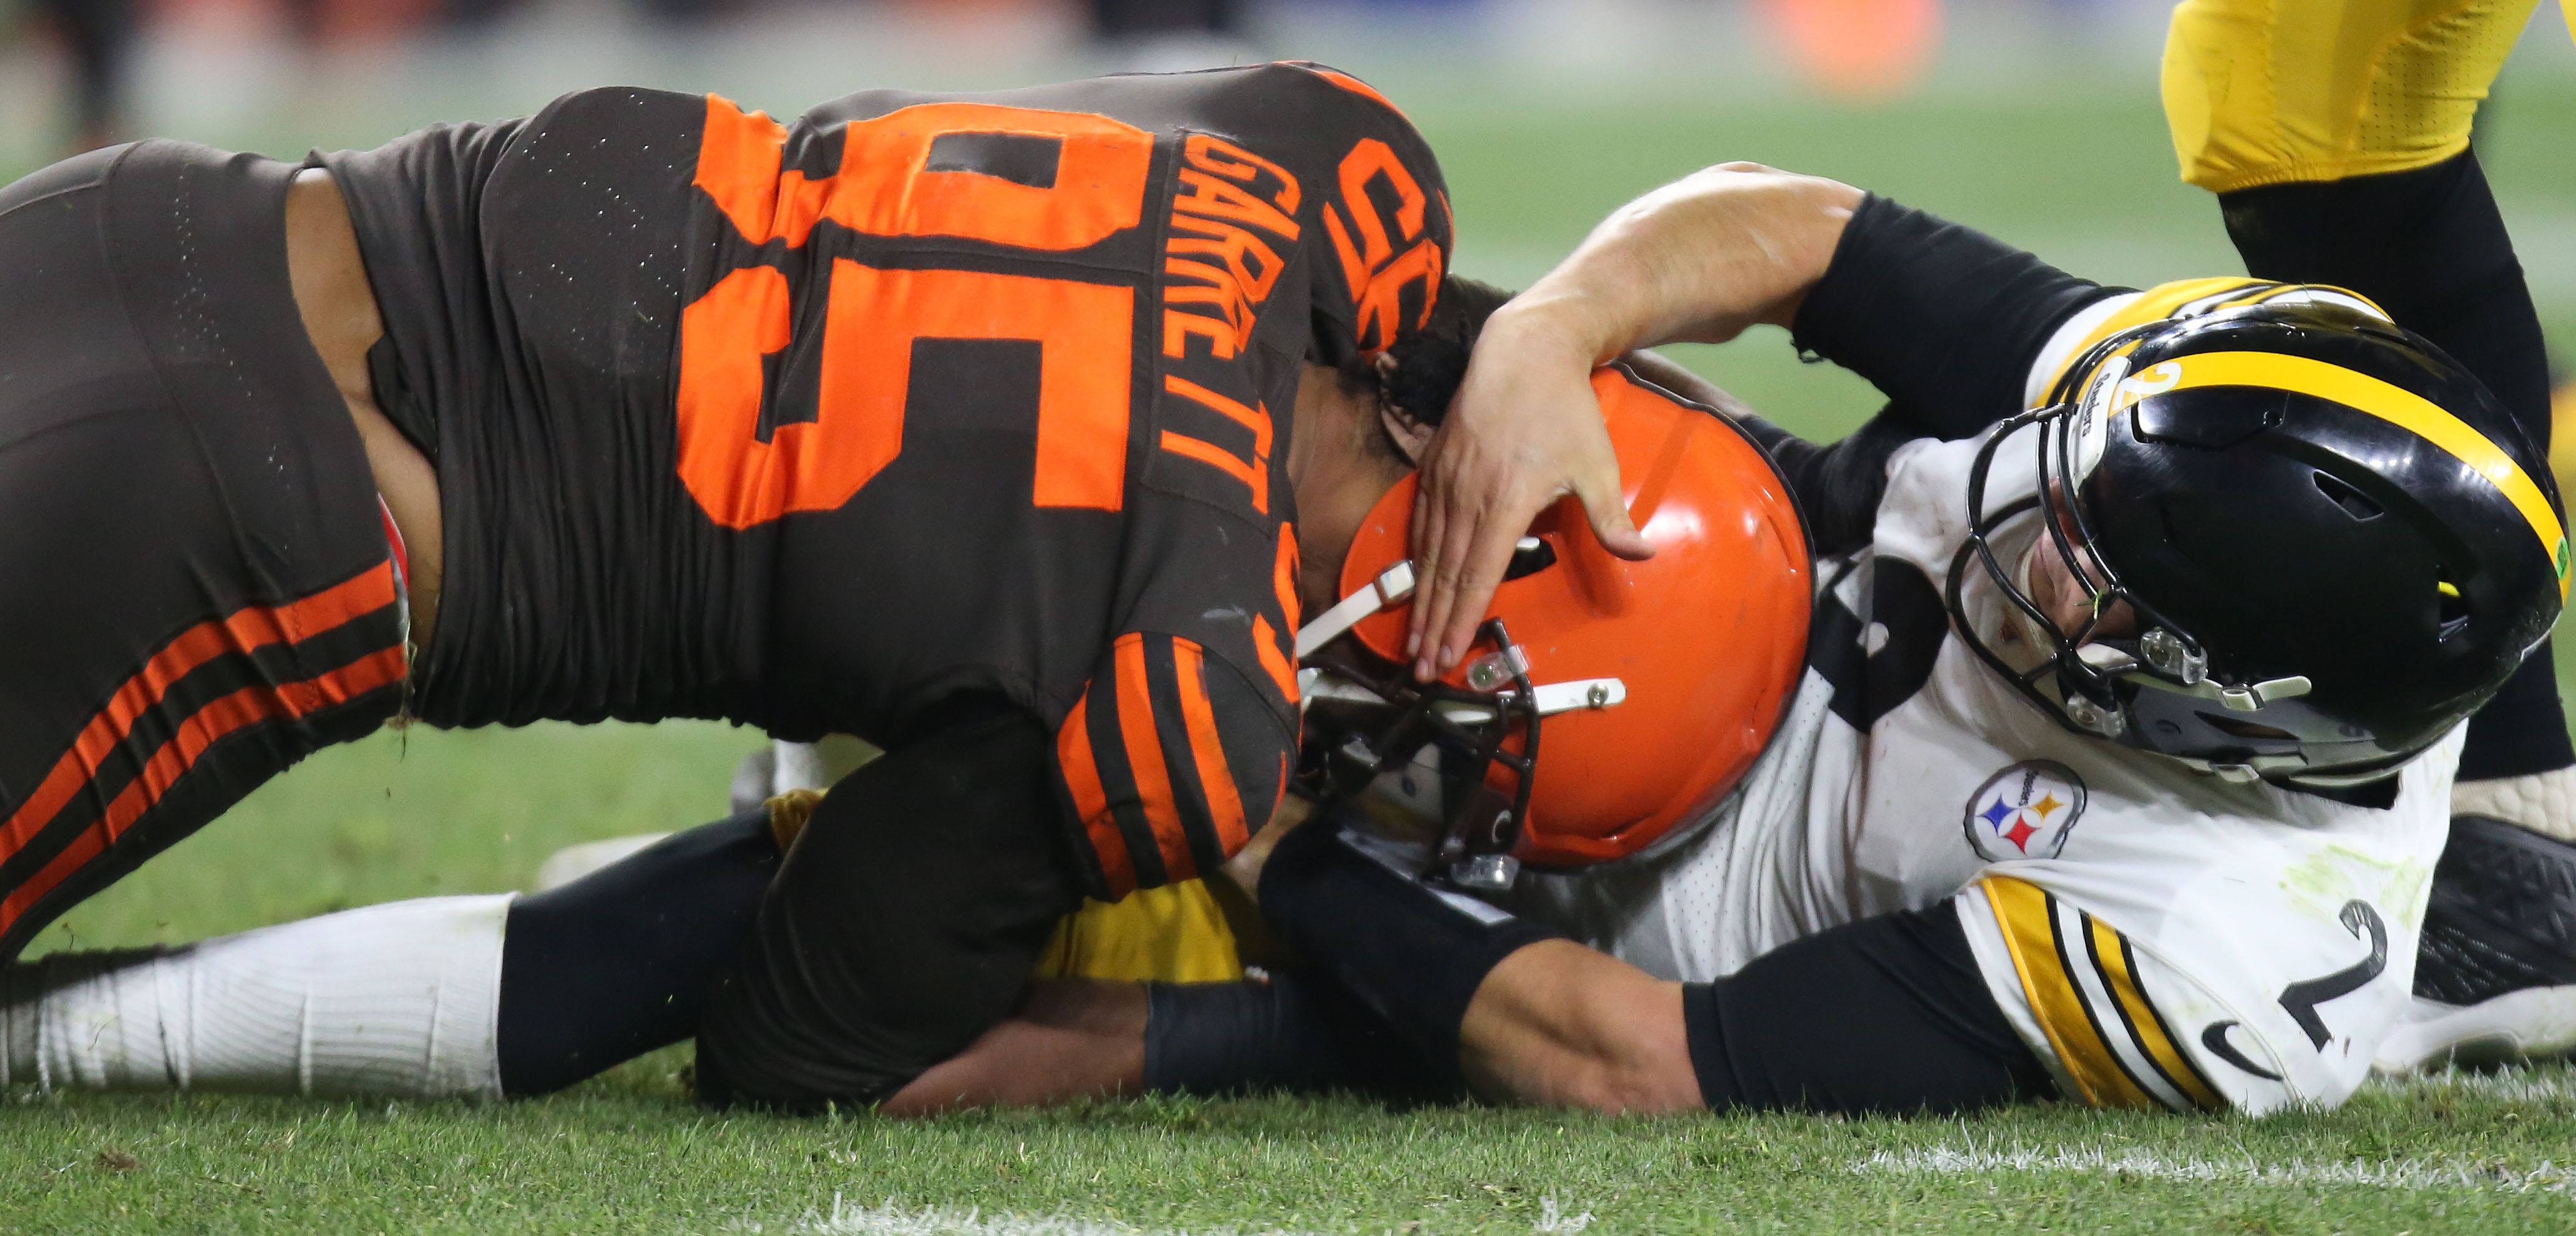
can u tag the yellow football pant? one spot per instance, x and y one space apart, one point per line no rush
2261 92
1175 934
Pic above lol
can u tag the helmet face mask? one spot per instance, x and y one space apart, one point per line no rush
2162 466
1472 737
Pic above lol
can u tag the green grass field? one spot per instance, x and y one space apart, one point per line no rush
2084 178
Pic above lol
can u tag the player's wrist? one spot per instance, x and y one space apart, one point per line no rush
1414 953
1558 322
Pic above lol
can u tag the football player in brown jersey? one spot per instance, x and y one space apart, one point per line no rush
982 427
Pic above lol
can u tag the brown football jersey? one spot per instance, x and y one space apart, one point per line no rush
826 425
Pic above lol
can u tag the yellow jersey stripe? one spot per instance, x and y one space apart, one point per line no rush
2074 928
2119 970
2363 393
2029 926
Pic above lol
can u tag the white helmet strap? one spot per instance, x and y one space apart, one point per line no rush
1391 587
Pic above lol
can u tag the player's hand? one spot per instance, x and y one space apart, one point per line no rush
1525 431
1244 869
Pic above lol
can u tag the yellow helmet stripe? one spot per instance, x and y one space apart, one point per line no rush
2363 393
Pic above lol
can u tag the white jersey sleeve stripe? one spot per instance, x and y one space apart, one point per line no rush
2028 917
2128 1020
2073 336
2102 1015
2185 298
2147 1024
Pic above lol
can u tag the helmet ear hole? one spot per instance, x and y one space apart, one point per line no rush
1531 556
2342 494
2452 614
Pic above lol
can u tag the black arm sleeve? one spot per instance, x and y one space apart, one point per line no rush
2430 247
1944 319
1889 1014
1295 1032
1411 954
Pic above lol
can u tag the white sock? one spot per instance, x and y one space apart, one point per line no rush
399 999
2545 803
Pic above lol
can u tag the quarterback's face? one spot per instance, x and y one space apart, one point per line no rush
2065 599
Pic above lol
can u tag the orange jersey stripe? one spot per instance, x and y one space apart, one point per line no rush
1090 801
1145 761
1207 749
246 707
246 629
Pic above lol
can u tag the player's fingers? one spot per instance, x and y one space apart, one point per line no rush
1430 521
1598 489
1481 569
1435 599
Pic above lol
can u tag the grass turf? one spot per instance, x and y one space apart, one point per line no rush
2084 179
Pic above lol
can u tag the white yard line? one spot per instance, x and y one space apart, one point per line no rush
891 1219
1970 1159
894 1220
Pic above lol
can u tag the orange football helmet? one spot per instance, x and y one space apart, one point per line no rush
1654 684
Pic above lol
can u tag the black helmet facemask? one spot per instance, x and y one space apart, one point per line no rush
2154 687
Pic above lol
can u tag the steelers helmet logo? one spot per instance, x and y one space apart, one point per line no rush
2025 811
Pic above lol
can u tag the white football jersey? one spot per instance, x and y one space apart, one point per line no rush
2158 936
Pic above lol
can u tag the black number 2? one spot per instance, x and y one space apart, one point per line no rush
2302 998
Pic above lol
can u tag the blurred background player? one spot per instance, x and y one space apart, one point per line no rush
97 39
1171 35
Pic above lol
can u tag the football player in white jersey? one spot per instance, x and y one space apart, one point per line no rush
2351 167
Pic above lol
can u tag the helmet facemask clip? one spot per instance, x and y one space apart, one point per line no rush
1470 728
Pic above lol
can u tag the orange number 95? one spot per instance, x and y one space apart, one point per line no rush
891 183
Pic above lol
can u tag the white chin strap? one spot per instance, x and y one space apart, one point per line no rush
1393 586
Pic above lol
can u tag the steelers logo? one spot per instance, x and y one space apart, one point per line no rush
2025 811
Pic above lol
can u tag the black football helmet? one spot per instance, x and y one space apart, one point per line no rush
2335 543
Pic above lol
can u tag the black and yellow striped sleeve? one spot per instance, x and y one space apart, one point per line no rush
2086 991
1168 762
